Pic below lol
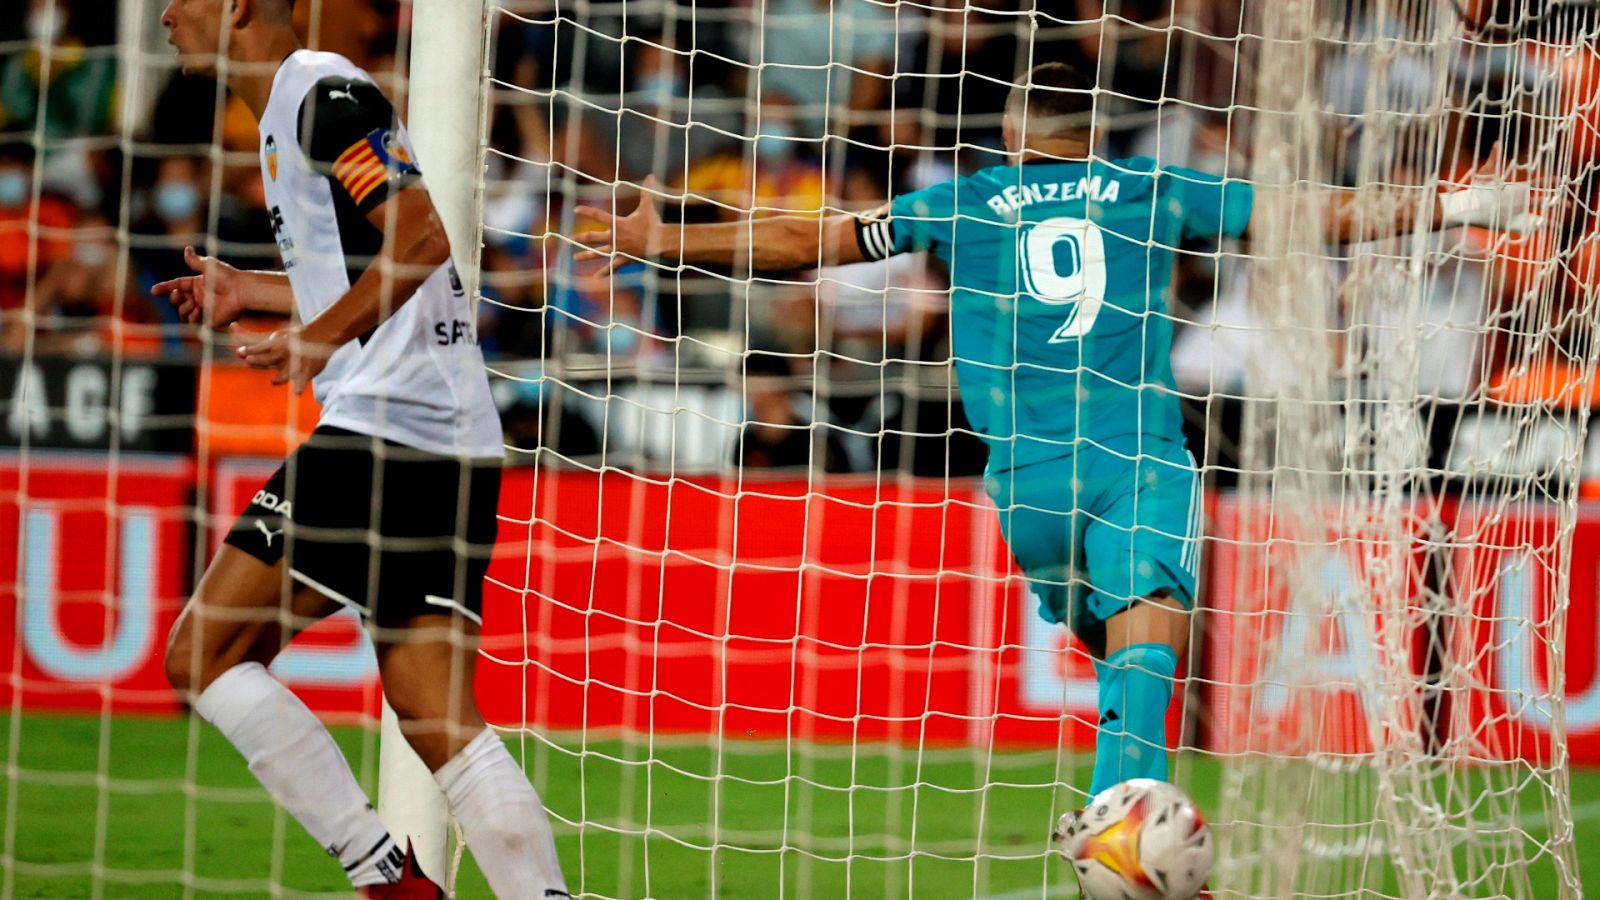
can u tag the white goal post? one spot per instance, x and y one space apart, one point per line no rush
445 118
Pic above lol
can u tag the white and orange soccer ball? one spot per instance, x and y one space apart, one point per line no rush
1139 840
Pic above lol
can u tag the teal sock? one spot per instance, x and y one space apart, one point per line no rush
1135 688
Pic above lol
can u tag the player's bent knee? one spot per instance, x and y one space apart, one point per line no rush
196 657
191 666
179 661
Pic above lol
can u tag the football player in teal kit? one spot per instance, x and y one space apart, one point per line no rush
1059 267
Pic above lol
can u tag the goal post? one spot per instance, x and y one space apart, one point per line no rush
446 109
445 106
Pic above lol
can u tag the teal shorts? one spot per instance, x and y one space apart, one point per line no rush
1096 531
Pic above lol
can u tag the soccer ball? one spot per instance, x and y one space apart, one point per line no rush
1139 840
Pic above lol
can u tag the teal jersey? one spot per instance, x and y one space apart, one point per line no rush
1059 274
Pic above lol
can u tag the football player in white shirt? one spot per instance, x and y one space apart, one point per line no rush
407 451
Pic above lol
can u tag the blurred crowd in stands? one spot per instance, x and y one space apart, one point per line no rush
86 171
771 106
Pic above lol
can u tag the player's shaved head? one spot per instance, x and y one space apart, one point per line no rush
277 10
1056 101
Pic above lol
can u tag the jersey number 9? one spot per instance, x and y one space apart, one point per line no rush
1064 262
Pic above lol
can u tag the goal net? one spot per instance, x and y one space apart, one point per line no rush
1389 431
1396 651
752 627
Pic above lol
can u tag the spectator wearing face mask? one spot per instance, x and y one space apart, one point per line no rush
176 198
176 216
19 208
174 212
770 173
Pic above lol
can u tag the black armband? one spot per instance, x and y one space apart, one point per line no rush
875 234
350 134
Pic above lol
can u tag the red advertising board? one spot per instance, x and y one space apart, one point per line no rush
92 586
844 610
753 609
1299 657
1504 598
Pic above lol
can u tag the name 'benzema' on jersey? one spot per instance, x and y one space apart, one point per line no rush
1059 273
1015 196
332 151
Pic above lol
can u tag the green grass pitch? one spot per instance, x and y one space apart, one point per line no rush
853 823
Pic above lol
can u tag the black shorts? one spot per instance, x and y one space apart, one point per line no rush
434 516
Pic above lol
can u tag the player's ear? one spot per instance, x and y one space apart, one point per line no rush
239 13
1008 132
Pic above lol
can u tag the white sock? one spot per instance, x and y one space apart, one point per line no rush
298 763
505 825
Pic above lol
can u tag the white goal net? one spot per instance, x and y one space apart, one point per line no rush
1392 431
751 626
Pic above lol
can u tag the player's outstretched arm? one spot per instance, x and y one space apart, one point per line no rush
776 244
1486 200
414 247
226 293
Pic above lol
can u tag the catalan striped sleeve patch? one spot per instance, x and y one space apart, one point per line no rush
360 169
